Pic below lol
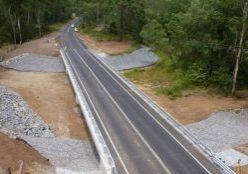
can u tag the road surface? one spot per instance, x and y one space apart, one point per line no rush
139 140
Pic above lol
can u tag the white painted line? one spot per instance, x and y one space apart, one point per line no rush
186 150
178 127
106 158
129 121
174 123
105 129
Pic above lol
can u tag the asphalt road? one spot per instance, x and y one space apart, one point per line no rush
139 140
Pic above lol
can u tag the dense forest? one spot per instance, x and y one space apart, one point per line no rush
205 41
22 20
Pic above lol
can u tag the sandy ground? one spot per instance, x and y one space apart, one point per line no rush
46 46
50 95
108 47
11 151
195 106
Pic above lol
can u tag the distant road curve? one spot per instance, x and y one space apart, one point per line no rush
139 140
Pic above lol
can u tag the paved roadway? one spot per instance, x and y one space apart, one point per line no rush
139 140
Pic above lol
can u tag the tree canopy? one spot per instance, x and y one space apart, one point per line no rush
205 38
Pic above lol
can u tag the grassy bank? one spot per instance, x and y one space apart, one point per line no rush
98 35
164 78
104 36
57 26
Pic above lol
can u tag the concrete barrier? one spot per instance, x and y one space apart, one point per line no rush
107 164
174 123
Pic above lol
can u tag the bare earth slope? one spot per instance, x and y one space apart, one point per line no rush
50 95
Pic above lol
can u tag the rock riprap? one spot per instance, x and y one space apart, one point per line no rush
18 119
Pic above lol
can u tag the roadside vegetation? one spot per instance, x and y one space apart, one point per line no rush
200 43
22 21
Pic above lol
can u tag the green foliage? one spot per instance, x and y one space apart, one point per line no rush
99 35
153 35
27 19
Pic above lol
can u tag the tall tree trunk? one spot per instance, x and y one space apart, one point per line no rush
97 13
38 18
28 20
121 27
19 28
13 24
240 48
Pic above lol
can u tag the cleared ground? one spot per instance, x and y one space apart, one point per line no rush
194 105
11 151
108 47
45 46
50 95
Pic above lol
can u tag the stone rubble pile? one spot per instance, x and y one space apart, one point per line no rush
16 118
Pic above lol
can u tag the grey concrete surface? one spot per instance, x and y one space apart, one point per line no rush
142 57
69 154
222 130
35 63
138 142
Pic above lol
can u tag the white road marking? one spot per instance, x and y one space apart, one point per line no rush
105 129
148 113
129 121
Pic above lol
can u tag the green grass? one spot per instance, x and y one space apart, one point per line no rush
98 35
103 35
57 26
163 76
133 47
106 36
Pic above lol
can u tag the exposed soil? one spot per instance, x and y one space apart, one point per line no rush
12 150
45 46
243 149
197 105
109 47
51 96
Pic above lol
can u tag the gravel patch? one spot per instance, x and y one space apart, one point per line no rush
231 157
18 119
222 130
67 154
142 57
35 63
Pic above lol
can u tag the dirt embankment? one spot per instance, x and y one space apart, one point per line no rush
195 106
44 46
50 95
108 47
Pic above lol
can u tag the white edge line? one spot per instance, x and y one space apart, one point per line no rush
186 150
138 133
137 91
105 129
107 160
202 148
